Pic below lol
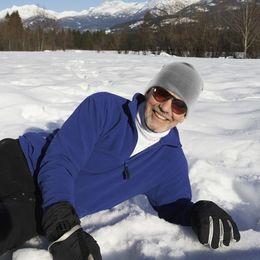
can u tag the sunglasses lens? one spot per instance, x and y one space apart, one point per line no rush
179 107
161 95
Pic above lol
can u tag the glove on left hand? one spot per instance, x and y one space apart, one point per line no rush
79 246
213 225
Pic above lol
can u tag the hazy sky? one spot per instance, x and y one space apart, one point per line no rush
60 5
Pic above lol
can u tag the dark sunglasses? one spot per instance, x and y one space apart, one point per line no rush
161 95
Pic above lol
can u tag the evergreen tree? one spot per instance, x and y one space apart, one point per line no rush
14 31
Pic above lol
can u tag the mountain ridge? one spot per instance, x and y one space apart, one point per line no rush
112 7
102 17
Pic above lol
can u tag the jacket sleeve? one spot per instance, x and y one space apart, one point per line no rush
171 198
70 149
177 212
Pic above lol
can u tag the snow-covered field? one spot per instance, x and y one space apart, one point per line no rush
221 138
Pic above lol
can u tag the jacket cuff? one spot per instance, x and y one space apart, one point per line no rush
178 212
59 219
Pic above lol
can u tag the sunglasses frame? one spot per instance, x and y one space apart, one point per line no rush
179 110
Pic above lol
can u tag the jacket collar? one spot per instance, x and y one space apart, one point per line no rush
172 139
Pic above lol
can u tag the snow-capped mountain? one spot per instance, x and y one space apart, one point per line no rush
210 9
114 7
104 16
28 11
171 6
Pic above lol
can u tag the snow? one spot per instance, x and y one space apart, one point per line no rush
221 138
170 3
107 7
28 11
114 7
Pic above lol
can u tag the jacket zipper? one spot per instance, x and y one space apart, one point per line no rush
126 174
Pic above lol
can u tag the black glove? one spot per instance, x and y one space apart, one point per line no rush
78 246
69 241
213 225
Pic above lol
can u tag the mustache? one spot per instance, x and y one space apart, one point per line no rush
162 113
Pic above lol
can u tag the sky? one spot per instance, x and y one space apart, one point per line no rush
58 6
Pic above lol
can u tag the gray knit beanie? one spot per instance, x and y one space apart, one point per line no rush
180 78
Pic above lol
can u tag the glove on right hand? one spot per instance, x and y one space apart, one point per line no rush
69 241
213 225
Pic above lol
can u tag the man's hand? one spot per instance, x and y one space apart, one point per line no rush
79 246
213 226
69 241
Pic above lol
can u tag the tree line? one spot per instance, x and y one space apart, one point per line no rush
202 35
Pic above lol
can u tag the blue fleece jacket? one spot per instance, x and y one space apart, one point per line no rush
88 163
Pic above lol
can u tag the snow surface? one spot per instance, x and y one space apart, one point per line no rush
221 138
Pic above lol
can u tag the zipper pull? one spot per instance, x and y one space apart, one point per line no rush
126 174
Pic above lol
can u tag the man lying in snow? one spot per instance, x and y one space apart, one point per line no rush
109 150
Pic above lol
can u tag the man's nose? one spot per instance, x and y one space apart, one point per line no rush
166 106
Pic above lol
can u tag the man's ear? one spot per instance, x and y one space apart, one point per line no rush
182 119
